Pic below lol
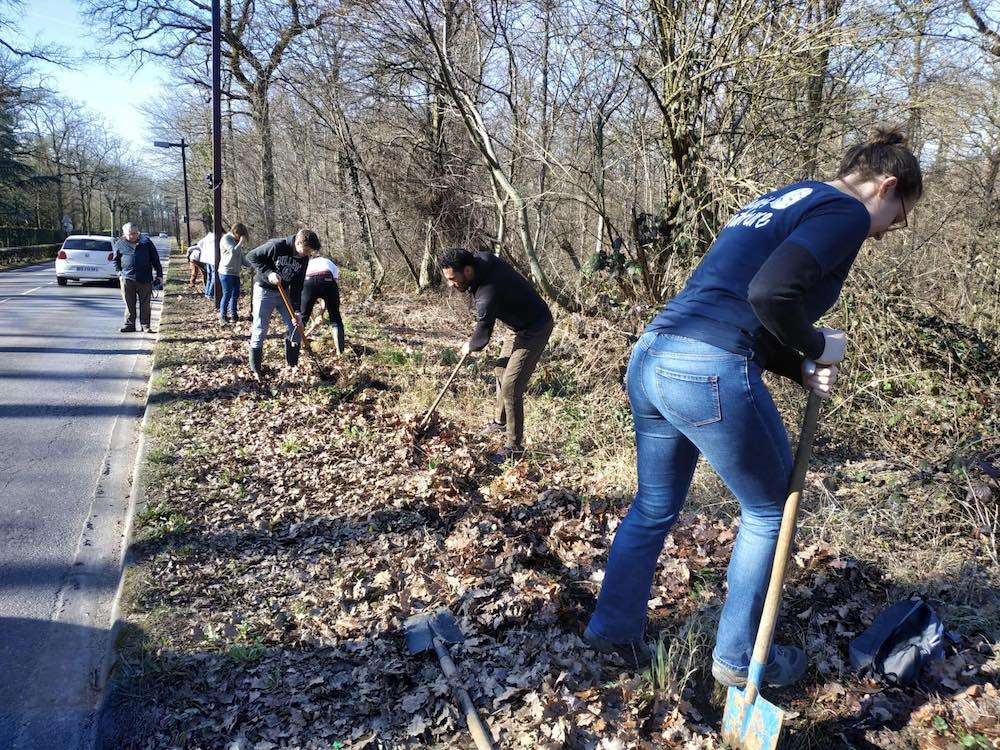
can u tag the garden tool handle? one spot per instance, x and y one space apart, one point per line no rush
284 298
769 615
292 313
427 418
480 733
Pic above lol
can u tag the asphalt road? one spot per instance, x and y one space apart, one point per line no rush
72 390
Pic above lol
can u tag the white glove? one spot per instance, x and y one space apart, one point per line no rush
834 346
819 379
274 278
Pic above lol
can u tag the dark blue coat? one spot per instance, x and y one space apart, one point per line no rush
138 263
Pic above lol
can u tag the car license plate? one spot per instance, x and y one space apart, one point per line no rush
87 269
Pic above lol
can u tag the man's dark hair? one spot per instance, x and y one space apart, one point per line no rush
457 258
310 239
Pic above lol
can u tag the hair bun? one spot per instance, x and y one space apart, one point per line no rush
887 136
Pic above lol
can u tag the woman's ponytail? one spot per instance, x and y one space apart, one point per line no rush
885 153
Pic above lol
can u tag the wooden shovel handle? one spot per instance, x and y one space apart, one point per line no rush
769 615
479 731
288 306
301 329
427 418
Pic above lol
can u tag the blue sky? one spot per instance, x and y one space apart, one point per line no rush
114 91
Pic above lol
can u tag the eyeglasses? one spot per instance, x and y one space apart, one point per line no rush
899 224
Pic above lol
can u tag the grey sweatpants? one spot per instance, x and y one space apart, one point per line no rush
265 302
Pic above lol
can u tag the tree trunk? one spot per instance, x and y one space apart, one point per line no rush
341 183
429 273
481 138
262 119
230 164
376 270
359 167
60 202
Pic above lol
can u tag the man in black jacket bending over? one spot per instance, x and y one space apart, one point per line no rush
284 259
501 293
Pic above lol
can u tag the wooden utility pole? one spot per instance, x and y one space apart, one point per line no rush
216 141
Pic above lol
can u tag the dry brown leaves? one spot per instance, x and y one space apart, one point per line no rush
309 520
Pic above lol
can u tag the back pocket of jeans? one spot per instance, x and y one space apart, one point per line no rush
693 399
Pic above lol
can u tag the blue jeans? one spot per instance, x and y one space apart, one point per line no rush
230 294
265 302
690 398
209 280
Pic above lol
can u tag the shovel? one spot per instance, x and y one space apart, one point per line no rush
430 412
305 339
426 631
749 721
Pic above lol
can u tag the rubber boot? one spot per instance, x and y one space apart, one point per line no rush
256 362
338 337
292 352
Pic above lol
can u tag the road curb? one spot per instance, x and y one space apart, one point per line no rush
135 498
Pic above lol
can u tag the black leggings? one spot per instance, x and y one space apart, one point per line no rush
326 290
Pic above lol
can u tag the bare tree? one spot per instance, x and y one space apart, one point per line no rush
256 39
990 36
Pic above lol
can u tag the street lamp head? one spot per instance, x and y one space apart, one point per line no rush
162 144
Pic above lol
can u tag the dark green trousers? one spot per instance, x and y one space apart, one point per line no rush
518 359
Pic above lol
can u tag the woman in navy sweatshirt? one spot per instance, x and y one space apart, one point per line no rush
695 387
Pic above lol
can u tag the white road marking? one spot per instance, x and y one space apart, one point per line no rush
21 294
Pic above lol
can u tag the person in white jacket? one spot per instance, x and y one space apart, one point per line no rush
206 246
321 284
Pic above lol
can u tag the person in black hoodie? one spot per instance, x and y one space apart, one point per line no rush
138 264
501 293
283 259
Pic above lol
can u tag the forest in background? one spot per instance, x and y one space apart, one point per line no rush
59 158
599 146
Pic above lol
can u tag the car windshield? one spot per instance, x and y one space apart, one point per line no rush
78 243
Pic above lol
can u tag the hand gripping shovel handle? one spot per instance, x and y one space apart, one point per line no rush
301 329
430 412
769 616
480 733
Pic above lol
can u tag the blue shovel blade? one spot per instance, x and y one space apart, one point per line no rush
420 630
750 725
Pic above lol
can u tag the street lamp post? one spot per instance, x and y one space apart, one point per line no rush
217 140
187 209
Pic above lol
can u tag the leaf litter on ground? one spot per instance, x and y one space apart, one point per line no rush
296 524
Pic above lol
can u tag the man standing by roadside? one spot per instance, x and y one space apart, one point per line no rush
138 263
501 293
283 260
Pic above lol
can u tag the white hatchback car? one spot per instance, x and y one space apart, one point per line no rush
86 257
